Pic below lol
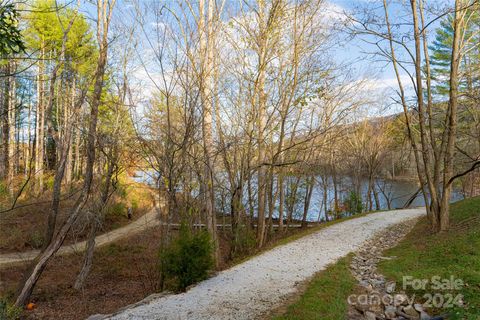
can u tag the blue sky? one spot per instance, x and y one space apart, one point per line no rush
381 74
357 51
354 52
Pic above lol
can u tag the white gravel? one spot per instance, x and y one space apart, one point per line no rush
253 288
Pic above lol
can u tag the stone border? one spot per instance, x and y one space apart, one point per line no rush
376 298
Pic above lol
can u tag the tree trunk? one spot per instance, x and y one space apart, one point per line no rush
68 122
458 26
206 80
39 129
261 123
39 264
4 123
375 196
310 182
325 196
423 183
281 200
96 223
425 150
77 166
292 199
335 188
272 199
28 148
12 155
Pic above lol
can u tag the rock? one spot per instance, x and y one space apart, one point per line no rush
370 316
354 314
410 311
400 299
390 287
364 268
460 302
418 307
364 283
377 282
376 308
362 307
390 312
424 316
388 258
387 300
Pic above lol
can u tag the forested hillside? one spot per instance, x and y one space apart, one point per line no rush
196 134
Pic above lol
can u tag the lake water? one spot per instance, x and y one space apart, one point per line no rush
397 191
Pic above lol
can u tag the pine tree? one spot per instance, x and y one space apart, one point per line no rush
10 37
44 34
441 49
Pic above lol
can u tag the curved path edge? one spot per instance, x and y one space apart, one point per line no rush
146 221
251 289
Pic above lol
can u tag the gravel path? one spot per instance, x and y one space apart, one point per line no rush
253 288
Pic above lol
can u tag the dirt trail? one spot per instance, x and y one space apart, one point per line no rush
253 288
144 222
148 220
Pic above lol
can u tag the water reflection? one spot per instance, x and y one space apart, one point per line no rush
397 192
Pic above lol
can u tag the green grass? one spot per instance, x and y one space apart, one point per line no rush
454 253
326 295
421 255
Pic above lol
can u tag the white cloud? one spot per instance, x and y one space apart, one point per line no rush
388 83
334 12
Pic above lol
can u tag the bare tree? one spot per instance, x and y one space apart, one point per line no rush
104 14
433 151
